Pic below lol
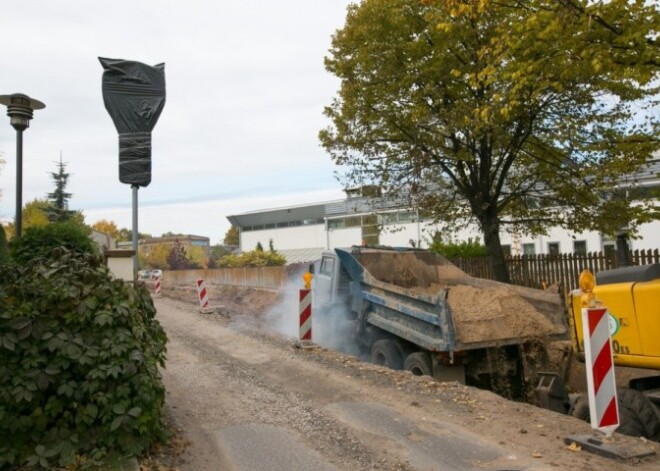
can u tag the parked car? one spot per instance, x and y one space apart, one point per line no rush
156 274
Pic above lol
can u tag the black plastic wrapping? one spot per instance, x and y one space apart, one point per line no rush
134 95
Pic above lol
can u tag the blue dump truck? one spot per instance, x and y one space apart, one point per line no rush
412 309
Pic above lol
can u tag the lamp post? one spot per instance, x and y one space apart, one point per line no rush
19 110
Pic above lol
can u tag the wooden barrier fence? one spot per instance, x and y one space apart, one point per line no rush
537 271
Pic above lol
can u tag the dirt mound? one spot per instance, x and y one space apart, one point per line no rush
493 314
235 299
409 269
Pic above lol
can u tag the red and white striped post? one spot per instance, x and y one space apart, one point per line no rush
157 288
203 294
601 384
305 333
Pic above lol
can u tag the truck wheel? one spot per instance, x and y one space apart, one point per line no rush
385 352
580 409
419 364
637 416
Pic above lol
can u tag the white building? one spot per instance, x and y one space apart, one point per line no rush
374 220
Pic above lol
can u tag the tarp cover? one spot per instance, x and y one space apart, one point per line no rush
134 95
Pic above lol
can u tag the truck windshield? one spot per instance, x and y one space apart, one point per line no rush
327 265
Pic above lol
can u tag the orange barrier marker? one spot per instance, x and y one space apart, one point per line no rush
305 334
203 294
601 383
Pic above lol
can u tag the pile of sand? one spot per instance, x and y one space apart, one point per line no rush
493 314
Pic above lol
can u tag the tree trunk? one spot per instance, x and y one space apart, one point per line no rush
491 230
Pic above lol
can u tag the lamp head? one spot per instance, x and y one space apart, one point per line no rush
19 109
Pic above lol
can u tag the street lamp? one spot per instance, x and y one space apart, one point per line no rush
19 110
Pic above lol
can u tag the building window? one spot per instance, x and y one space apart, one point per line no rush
580 247
335 223
407 216
529 249
553 248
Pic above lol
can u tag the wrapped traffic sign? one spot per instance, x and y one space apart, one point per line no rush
134 95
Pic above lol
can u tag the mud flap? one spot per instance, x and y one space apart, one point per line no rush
622 448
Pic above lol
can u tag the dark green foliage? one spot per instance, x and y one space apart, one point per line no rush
79 357
39 241
464 249
4 250
259 247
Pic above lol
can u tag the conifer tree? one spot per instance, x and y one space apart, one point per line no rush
58 210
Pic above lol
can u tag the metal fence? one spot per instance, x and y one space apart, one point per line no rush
539 271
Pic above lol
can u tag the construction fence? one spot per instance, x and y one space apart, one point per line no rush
541 271
251 277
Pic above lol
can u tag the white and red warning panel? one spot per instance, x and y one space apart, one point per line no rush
203 294
305 309
157 288
601 383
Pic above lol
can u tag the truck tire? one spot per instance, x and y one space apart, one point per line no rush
419 364
580 409
385 352
637 416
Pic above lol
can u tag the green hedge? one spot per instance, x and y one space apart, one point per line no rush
39 241
79 356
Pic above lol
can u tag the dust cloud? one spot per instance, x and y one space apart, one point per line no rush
332 330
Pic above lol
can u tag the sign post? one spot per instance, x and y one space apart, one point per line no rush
134 96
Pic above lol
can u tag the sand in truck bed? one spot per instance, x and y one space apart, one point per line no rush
482 310
494 314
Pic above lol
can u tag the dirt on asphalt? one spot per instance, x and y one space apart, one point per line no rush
227 368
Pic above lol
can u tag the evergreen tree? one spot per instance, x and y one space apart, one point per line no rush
58 209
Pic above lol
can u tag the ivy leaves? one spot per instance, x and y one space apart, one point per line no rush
79 357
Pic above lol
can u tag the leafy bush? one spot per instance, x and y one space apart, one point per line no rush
79 356
465 249
255 258
39 241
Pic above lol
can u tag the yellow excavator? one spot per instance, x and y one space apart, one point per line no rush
632 297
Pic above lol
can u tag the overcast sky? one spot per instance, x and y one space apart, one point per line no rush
246 87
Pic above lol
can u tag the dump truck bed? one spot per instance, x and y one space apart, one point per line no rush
423 298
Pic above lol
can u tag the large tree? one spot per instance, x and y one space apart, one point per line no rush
34 214
107 227
232 236
512 115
